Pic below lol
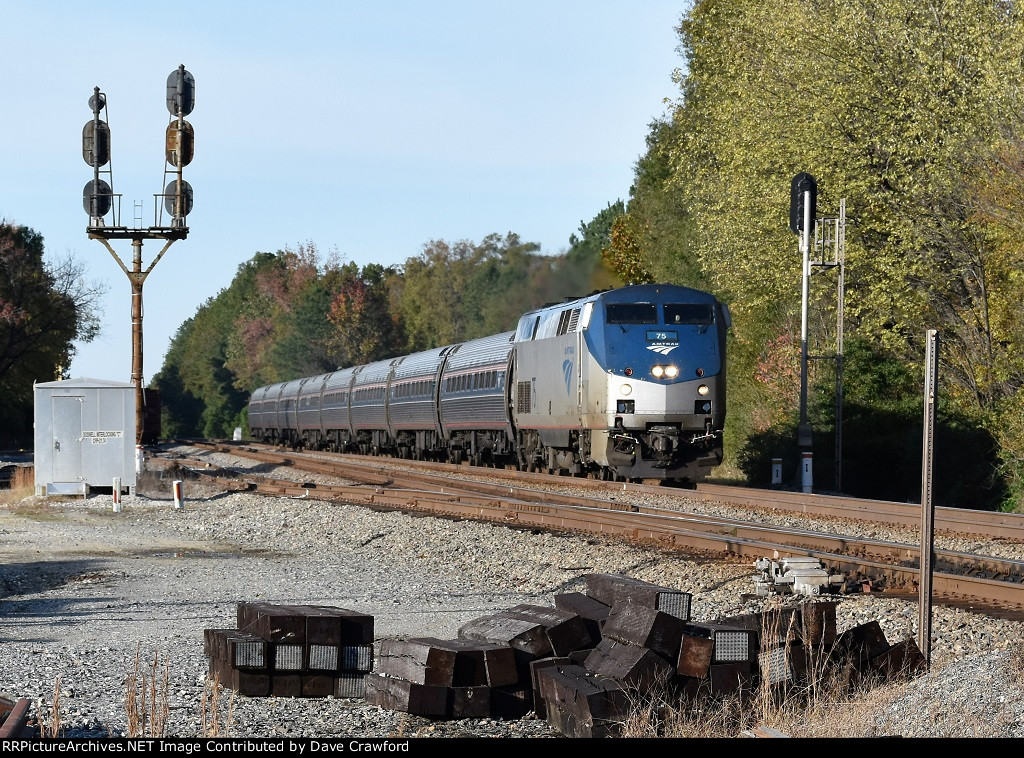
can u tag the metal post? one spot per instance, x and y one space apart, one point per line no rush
807 471
137 280
176 491
804 438
931 383
840 307
116 489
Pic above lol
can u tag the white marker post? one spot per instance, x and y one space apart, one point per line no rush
116 490
179 500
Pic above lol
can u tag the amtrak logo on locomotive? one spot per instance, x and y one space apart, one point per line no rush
662 342
567 372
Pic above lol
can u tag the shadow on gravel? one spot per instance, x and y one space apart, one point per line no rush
52 613
33 577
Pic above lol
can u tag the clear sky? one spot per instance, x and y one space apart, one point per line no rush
366 128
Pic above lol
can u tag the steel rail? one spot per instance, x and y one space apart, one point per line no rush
950 521
993 524
874 561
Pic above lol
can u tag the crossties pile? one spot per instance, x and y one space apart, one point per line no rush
583 664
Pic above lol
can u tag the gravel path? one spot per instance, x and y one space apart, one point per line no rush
89 596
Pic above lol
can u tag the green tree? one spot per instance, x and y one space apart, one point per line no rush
457 291
362 326
586 259
181 412
44 309
888 103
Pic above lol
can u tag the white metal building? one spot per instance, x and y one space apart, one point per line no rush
84 436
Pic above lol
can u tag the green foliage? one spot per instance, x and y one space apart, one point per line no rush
44 308
881 442
460 291
181 412
362 328
656 240
907 110
586 254
623 254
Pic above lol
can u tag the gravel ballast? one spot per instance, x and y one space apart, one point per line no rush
90 596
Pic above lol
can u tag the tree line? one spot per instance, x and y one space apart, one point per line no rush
296 313
910 112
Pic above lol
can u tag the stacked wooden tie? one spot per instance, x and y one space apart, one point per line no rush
587 663
292 651
584 664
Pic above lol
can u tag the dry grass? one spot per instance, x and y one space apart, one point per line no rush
13 496
1017 655
146 699
48 715
22 502
146 705
827 701
210 717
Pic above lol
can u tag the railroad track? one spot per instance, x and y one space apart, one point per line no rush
526 501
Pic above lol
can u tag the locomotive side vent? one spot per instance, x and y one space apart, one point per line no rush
524 401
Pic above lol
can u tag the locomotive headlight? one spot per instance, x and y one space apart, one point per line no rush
671 372
658 371
703 390
626 389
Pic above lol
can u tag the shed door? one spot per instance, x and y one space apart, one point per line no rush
67 439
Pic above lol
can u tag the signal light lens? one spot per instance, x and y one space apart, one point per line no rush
671 372
703 390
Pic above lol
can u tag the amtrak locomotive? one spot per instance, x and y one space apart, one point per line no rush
624 384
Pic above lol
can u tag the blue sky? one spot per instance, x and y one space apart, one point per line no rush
367 129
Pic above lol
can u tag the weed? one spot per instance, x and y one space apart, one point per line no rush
48 714
210 710
146 699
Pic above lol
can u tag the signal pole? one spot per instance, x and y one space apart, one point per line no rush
802 206
99 200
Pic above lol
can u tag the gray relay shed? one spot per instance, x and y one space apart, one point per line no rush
84 436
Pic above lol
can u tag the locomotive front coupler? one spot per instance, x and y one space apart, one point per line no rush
710 435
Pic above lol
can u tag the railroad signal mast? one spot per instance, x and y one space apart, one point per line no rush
827 237
100 200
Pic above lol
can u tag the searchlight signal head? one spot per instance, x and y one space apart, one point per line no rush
181 92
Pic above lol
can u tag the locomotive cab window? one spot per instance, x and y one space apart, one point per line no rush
632 313
689 313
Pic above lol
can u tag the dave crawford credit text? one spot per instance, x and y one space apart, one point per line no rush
189 747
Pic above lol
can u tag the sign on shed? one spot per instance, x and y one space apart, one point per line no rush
84 436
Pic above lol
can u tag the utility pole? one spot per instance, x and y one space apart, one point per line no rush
99 201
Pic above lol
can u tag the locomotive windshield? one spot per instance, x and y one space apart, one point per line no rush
632 313
689 313
699 314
